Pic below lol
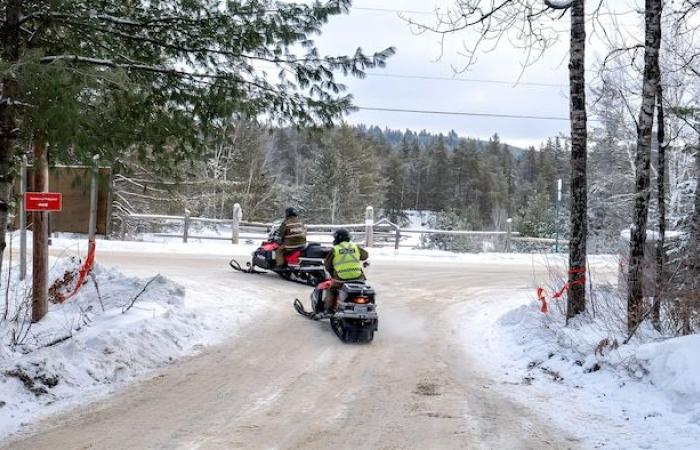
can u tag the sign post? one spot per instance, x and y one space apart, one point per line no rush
556 219
23 221
40 204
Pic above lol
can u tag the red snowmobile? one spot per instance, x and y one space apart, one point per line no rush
304 265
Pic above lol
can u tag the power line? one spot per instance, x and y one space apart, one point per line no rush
463 113
389 10
468 80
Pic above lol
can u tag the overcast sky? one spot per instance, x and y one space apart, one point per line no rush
418 55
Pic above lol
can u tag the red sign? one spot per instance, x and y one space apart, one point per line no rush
43 201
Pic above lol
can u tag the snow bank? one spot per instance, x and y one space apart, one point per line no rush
653 236
674 367
95 344
644 394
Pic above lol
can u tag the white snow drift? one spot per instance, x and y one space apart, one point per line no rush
645 394
81 351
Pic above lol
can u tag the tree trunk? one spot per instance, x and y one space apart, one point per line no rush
691 268
661 201
635 292
40 235
576 302
418 191
695 220
8 124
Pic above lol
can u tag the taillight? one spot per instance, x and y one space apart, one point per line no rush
361 300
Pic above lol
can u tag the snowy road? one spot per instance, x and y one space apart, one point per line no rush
287 382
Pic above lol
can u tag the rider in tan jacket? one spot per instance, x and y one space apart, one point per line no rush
292 234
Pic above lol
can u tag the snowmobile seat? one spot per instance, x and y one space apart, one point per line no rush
316 250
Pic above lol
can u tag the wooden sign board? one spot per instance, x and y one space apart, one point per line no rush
73 183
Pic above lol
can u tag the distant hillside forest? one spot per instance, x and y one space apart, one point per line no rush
331 175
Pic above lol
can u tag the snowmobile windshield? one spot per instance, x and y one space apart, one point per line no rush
272 232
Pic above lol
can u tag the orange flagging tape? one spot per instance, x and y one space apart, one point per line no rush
84 271
580 281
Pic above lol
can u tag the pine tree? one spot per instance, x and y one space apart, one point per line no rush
345 179
396 195
438 182
104 76
466 168
537 216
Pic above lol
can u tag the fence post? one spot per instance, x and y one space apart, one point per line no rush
123 230
236 223
186 231
397 239
509 226
369 226
23 221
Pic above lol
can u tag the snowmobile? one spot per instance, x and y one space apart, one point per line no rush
355 317
304 265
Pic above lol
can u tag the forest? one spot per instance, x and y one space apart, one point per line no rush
331 175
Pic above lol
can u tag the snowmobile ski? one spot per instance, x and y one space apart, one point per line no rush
235 265
308 314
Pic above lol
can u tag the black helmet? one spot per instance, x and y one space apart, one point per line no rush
341 235
289 212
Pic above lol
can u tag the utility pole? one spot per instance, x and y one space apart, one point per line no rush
23 221
40 249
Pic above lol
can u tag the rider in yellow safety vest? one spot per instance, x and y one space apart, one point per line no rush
344 263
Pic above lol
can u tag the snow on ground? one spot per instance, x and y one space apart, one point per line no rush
645 394
104 349
419 219
171 319
246 247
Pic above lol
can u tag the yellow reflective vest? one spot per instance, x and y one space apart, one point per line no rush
346 261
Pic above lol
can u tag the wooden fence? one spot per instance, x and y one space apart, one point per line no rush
375 233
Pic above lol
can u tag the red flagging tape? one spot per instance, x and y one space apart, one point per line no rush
84 271
580 281
544 309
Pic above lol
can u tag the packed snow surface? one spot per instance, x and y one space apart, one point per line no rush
645 394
